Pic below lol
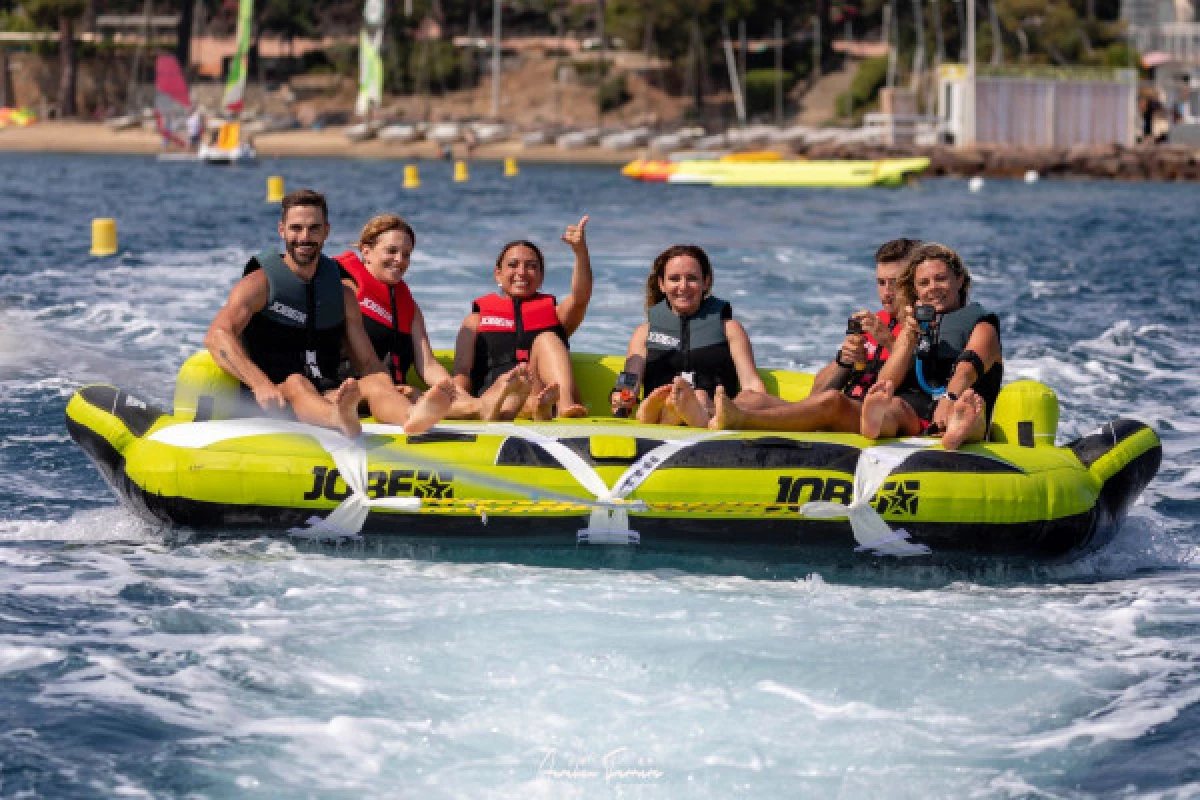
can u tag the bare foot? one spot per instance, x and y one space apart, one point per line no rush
650 411
432 406
726 416
875 409
573 411
967 410
515 383
687 405
544 403
345 408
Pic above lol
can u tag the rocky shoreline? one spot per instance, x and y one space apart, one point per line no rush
1152 162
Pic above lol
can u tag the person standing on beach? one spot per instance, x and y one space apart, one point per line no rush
195 128
283 327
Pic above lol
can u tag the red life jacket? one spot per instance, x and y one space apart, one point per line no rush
506 332
387 314
860 381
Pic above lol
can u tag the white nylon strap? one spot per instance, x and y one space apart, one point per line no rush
870 530
645 466
196 435
606 525
345 521
579 469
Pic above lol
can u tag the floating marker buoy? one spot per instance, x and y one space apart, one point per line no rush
104 236
1031 176
975 184
510 167
412 179
460 172
275 189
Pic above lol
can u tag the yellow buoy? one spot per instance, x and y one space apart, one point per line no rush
412 179
460 172
275 189
510 167
104 236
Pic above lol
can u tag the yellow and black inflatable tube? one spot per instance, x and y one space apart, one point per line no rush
1017 495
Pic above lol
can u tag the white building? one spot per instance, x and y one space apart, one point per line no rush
1040 107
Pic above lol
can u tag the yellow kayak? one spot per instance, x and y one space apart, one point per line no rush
816 174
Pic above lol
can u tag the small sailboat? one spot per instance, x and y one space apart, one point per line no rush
172 104
370 73
229 148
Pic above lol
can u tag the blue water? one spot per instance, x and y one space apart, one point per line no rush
147 665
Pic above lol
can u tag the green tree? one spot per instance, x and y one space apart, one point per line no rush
63 14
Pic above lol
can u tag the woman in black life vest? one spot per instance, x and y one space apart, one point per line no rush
835 400
393 320
519 334
689 346
948 389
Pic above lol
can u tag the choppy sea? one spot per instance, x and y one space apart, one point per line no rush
140 664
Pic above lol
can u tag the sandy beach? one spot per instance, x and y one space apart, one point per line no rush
1112 162
85 137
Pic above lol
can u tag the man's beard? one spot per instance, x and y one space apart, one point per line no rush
293 248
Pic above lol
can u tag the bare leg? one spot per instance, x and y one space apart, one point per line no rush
683 399
550 362
338 410
967 422
465 406
829 410
431 408
387 405
504 398
749 400
651 408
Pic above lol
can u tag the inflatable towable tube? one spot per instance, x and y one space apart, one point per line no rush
609 480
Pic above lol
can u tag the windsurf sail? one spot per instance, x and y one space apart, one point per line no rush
171 100
235 85
370 59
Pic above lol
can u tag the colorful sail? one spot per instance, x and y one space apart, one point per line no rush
171 99
370 59
235 85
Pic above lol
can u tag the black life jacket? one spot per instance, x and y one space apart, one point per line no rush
506 332
387 312
300 330
861 380
937 367
697 345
